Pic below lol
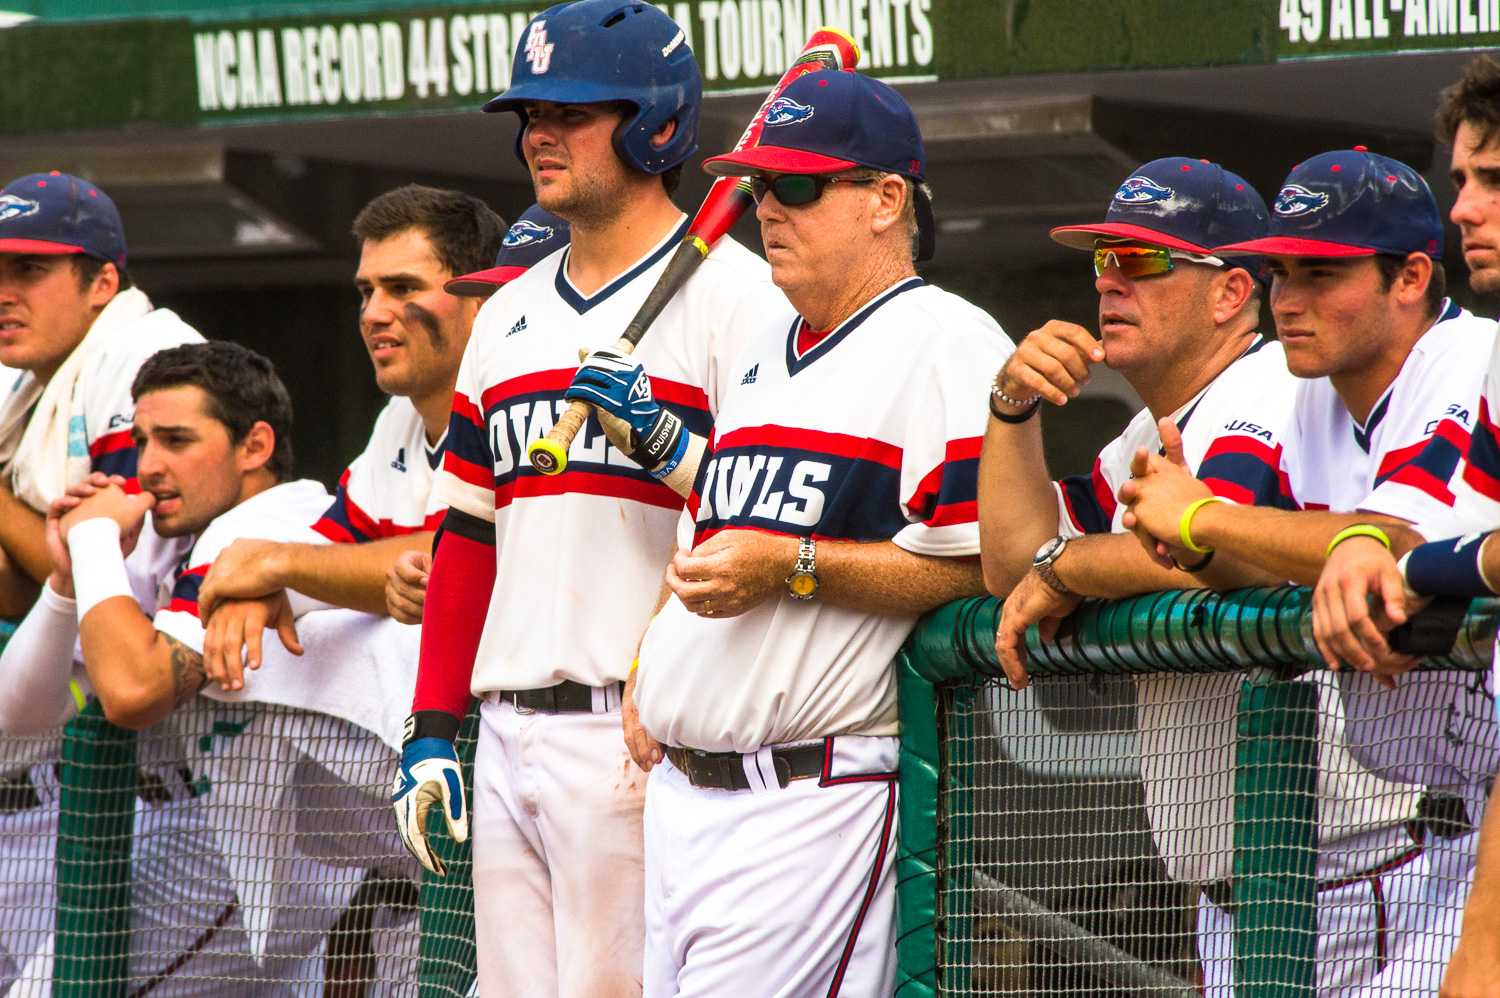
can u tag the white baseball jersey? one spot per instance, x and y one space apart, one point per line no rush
1400 460
387 490
1476 486
182 884
871 435
1401 463
582 554
1232 436
281 513
100 409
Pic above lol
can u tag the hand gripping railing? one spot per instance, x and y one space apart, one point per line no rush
1265 633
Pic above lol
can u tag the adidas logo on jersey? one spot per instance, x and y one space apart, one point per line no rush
400 463
749 378
519 327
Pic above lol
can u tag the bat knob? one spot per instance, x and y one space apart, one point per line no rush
547 456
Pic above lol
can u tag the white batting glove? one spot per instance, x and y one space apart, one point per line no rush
429 773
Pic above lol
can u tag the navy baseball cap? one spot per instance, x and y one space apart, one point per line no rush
48 214
536 234
1180 203
831 121
1350 202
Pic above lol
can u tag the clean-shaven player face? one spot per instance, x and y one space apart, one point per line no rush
187 461
1332 315
413 330
1475 170
569 150
44 311
1145 320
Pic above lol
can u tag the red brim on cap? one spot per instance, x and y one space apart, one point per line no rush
37 247
482 282
1291 246
774 159
1083 236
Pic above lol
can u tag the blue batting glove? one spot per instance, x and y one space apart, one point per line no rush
621 392
429 773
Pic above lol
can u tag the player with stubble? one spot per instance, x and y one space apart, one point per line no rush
412 241
74 329
834 504
540 586
1389 372
1365 589
1182 325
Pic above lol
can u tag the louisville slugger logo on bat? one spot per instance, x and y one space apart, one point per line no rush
727 200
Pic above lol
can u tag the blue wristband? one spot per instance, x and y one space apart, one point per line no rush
671 463
1447 568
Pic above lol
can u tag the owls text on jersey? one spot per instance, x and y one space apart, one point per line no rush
1232 435
602 522
387 490
1400 461
872 434
281 513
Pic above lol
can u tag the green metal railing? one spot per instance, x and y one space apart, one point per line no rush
1265 633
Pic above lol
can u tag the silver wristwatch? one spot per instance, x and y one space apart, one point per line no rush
1042 564
803 582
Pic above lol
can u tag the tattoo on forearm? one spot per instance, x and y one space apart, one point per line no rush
188 676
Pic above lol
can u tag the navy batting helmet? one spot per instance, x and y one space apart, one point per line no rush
594 51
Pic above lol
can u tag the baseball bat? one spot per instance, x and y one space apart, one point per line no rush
727 200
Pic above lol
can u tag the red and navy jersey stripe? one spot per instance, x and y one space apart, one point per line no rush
185 590
799 482
1246 470
1427 465
114 454
346 522
487 442
949 493
1090 501
1482 469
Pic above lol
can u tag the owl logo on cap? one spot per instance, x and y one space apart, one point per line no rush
526 232
1294 199
1143 190
13 207
785 111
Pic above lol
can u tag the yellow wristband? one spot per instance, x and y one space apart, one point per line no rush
77 691
1358 530
635 664
1185 524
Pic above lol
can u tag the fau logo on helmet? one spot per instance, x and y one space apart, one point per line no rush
14 207
1143 190
785 111
526 232
538 49
1295 199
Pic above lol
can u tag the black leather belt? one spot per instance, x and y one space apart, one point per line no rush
1442 814
567 697
726 770
18 793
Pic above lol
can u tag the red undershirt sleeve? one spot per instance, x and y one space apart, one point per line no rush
458 599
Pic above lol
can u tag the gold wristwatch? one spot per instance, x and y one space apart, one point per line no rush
803 582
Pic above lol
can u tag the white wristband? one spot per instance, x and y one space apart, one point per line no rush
98 564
